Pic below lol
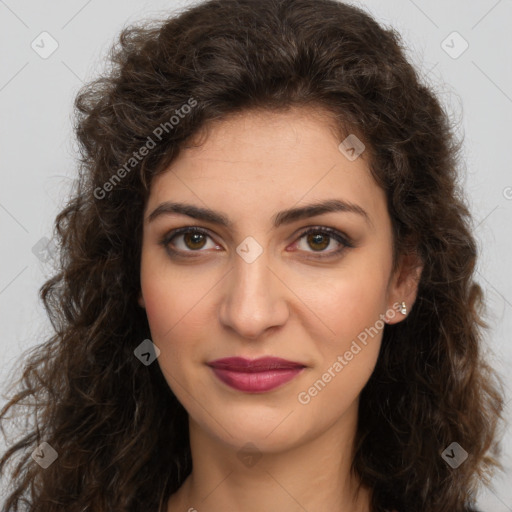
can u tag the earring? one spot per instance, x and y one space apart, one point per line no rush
403 308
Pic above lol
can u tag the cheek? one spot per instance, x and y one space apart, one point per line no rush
347 359
178 313
350 303
169 316
161 306
170 297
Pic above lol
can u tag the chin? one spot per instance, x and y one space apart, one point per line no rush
268 430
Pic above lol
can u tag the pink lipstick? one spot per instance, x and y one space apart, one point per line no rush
255 375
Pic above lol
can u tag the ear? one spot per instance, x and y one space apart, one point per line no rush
140 300
403 287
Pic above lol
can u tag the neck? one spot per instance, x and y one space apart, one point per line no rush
313 475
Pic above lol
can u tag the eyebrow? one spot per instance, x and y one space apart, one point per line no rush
283 217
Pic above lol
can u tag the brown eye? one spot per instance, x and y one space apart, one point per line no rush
188 240
318 241
324 241
194 240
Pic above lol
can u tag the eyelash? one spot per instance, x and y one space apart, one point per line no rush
332 233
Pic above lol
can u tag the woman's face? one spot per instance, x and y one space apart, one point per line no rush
255 285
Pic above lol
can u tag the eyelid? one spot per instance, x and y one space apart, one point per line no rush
166 239
341 238
333 233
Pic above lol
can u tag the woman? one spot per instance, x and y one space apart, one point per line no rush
266 299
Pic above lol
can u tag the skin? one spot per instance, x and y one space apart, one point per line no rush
211 303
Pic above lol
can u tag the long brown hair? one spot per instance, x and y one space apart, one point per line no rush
120 434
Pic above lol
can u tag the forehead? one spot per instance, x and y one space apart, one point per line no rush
266 161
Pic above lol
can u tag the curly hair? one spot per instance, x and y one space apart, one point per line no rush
120 433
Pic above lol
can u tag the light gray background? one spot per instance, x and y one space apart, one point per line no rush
37 147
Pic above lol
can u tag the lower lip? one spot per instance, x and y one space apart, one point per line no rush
256 382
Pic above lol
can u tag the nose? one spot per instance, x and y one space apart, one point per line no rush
255 299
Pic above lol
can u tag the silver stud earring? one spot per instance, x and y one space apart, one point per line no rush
403 308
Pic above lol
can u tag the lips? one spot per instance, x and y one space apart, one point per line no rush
256 375
239 364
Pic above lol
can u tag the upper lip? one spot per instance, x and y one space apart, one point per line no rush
261 364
